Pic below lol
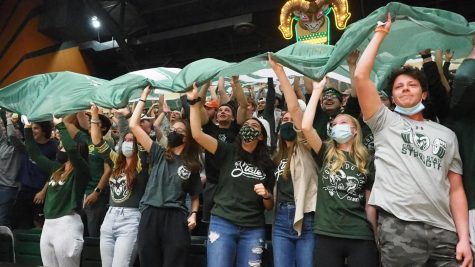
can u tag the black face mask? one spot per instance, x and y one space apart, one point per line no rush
287 132
174 139
62 157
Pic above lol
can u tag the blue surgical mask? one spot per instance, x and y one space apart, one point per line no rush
127 149
410 111
341 133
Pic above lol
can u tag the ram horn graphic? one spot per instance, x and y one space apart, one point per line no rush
340 8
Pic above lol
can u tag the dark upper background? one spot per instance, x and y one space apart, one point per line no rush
173 33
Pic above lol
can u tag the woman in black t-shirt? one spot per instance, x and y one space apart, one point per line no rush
236 231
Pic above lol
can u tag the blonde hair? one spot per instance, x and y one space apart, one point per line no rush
335 157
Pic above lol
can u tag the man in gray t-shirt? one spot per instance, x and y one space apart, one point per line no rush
423 212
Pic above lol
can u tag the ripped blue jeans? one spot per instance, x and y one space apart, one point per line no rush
229 244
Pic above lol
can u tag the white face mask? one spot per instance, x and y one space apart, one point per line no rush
341 133
410 111
127 149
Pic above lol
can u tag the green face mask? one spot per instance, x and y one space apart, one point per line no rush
248 134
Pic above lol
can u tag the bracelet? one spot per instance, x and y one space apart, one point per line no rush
193 101
267 198
194 212
381 30
95 121
142 100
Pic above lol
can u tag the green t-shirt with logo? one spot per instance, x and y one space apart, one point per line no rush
95 161
121 195
169 182
62 197
235 199
340 210
285 187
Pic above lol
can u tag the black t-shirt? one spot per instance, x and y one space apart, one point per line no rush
235 199
227 135
285 187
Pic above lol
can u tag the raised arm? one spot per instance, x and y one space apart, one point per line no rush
310 133
96 133
241 99
289 94
206 141
142 137
202 93
223 97
365 89
351 60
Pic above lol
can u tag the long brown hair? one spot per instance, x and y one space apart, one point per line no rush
283 152
130 171
191 152
335 157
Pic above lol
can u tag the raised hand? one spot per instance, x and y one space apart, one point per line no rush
193 93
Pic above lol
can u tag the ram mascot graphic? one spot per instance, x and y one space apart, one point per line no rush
312 21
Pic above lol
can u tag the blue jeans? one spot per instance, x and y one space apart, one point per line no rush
229 243
119 236
7 200
289 248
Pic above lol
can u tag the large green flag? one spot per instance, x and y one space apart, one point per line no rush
117 92
39 97
414 29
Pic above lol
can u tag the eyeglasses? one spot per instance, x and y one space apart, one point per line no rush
178 130
329 97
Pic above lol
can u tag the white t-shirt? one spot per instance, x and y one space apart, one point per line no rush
412 160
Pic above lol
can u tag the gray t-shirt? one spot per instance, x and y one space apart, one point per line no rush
169 182
412 161
10 156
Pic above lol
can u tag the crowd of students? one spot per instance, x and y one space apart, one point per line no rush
361 180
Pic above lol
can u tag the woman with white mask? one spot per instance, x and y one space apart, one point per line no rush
119 230
344 222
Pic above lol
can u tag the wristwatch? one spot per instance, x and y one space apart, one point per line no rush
97 190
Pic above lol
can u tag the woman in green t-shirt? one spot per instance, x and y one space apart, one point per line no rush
236 230
344 222
62 235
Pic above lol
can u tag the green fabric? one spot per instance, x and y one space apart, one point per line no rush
117 92
414 29
41 96
340 210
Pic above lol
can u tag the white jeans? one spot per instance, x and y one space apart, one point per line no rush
61 241
119 236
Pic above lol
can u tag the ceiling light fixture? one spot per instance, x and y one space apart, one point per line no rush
96 24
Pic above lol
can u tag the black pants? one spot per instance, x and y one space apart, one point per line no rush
208 202
163 238
332 252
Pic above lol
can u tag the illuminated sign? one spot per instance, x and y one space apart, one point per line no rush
310 19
